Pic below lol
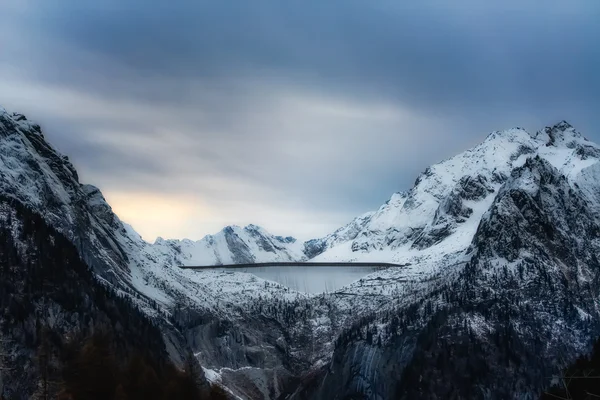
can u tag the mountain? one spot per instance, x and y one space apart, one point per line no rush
49 299
314 247
212 311
443 209
499 284
234 245
504 284
496 320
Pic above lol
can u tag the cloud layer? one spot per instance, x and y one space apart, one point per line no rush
293 115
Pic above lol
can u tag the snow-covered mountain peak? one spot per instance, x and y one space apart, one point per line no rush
449 198
259 230
537 207
513 134
229 229
31 170
20 123
38 176
397 198
502 235
233 245
532 175
160 240
346 233
563 126
560 134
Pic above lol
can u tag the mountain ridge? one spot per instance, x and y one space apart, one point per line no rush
482 168
517 204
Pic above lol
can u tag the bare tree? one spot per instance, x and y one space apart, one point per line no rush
565 381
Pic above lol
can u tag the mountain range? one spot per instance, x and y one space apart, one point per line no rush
499 289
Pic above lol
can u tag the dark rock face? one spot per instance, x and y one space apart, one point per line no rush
49 295
519 318
240 251
314 247
502 312
474 188
453 211
525 300
556 132
44 180
287 239
270 245
543 213
36 175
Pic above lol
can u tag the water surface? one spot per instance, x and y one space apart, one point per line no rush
322 279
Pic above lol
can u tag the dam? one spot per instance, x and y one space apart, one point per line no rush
307 277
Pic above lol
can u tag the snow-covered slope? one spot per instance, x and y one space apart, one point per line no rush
234 245
37 175
440 214
190 307
346 233
500 233
504 288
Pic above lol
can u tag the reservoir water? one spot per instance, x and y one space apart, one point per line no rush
308 279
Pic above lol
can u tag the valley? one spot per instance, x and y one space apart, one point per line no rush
499 278
305 277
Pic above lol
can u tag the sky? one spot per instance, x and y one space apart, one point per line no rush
293 115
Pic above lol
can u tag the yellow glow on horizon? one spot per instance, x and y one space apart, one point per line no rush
153 215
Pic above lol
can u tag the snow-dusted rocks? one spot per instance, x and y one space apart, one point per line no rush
500 249
505 288
234 245
449 198
190 307
346 233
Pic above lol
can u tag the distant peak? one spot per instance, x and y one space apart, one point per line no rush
558 132
262 231
508 134
19 120
230 228
395 198
562 126
287 239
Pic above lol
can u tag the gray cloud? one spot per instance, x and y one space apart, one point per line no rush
431 54
299 108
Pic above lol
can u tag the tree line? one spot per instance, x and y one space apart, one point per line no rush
67 335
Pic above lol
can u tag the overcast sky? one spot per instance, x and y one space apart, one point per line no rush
293 115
